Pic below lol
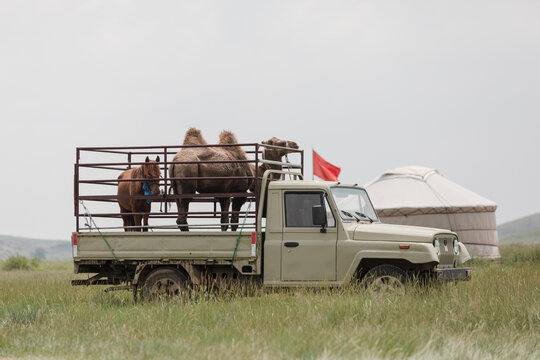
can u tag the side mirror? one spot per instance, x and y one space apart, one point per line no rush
319 216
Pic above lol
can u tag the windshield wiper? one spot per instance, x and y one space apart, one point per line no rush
364 216
352 216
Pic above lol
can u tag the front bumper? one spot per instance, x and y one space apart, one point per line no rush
454 274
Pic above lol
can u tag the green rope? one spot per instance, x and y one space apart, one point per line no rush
240 233
87 213
106 242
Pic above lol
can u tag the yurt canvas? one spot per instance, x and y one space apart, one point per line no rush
421 196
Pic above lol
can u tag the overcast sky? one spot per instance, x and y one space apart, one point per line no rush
371 85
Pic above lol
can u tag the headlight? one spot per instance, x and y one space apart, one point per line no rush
437 246
455 245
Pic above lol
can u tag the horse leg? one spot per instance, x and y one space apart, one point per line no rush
224 203
137 219
125 218
131 223
236 206
145 222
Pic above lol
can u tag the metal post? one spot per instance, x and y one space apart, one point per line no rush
257 189
165 178
76 189
312 165
302 162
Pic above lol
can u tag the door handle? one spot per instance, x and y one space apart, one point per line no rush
291 244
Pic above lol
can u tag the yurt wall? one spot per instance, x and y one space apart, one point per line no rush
422 197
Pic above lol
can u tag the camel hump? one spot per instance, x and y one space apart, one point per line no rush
227 137
194 137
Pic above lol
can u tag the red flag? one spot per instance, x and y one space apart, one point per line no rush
323 169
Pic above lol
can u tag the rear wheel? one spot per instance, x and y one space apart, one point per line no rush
385 279
164 283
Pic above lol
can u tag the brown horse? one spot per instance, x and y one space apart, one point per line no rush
194 137
131 209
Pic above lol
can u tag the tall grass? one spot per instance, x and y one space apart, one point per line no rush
19 262
518 254
495 315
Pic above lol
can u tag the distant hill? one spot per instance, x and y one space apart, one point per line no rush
44 249
525 230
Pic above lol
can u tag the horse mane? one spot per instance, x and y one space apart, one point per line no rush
135 173
194 137
227 137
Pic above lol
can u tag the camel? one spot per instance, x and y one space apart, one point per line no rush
190 186
131 209
197 169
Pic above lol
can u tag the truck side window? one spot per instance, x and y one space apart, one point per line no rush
298 209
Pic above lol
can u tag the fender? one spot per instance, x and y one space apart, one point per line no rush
464 255
418 253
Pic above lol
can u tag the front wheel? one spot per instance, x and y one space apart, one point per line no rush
164 283
385 279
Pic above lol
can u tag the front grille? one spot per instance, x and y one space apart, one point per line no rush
446 256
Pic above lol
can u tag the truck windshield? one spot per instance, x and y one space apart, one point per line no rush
354 204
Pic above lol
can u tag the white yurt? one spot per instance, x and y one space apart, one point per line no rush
420 196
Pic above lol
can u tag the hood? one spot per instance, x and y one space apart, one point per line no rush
389 232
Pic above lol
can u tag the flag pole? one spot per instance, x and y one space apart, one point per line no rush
312 165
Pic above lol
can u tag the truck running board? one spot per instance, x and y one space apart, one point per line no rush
116 288
87 282
95 280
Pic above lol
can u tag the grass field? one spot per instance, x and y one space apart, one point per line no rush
495 315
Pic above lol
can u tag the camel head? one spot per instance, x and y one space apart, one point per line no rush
152 173
277 154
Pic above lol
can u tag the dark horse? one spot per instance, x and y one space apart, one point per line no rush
132 209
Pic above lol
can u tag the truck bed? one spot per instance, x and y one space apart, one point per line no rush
162 245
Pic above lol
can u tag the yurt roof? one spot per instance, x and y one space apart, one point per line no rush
420 190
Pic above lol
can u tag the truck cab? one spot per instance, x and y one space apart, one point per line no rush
349 241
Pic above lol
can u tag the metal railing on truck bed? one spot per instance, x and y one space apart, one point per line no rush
96 180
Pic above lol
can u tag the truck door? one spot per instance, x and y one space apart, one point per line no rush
307 253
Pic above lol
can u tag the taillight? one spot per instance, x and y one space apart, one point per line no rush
74 243
253 244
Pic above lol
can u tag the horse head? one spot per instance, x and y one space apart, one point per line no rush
152 173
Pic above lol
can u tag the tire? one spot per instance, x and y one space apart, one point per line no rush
385 279
164 283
